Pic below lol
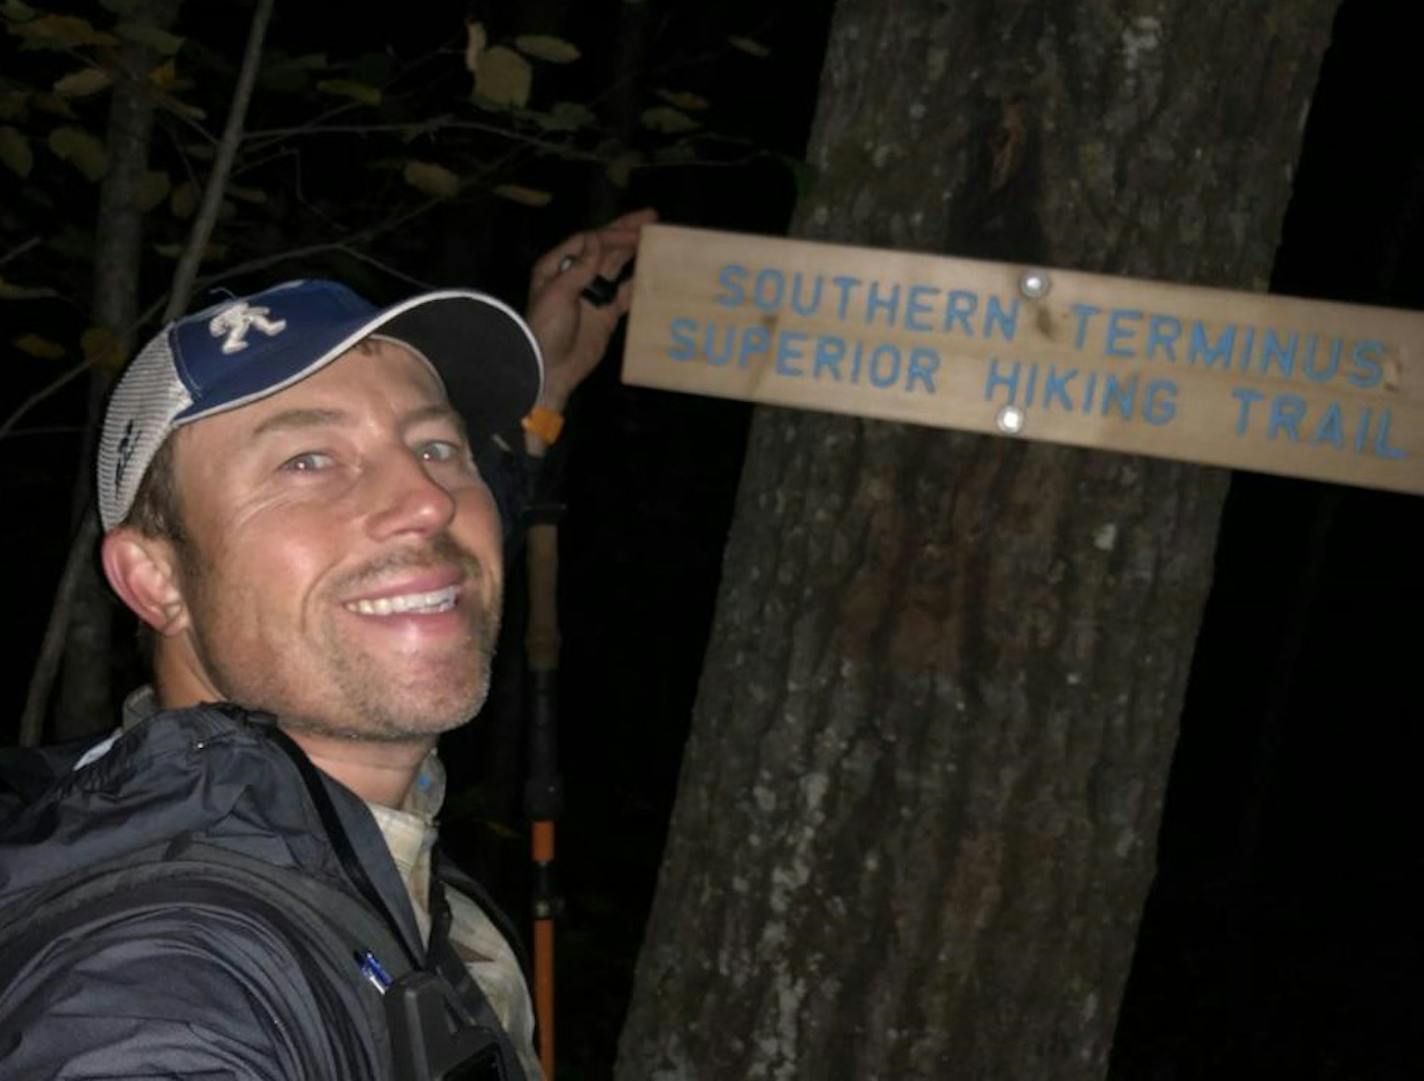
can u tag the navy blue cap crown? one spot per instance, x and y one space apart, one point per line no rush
247 348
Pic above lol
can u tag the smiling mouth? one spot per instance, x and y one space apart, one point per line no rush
431 603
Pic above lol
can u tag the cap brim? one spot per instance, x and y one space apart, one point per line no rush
483 352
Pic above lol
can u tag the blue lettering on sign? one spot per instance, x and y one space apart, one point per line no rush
788 348
1210 352
1289 417
754 340
1362 431
683 344
1119 334
847 286
996 315
1247 397
1163 332
923 365
1248 345
1017 383
1160 404
1122 394
1366 357
1083 312
769 289
1009 382
917 305
1287 411
730 278
891 374
828 357
1382 447
1281 352
1055 385
1331 428
795 354
1308 365
805 307
1090 391
715 357
890 304
959 305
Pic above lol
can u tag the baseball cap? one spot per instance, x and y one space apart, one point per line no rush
247 348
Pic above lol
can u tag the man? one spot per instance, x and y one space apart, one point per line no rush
293 506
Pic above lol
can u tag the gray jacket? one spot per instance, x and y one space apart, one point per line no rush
196 813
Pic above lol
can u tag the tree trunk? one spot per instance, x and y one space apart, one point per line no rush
84 705
919 805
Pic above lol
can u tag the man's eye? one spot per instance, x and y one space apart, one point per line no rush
310 462
438 450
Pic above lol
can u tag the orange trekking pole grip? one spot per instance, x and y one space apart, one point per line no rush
543 792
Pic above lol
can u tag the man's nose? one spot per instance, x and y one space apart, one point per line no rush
406 499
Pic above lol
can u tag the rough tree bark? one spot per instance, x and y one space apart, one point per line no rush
84 704
918 808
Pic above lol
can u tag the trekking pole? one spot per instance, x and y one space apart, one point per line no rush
543 792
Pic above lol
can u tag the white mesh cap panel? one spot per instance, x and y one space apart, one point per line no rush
140 415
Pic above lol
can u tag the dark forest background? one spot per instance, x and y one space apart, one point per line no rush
1281 937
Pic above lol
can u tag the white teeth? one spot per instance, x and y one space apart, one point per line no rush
437 600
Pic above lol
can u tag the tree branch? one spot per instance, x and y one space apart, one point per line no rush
52 647
41 394
19 250
187 271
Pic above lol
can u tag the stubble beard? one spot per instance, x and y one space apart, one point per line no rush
367 704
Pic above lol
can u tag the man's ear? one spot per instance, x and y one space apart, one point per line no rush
143 571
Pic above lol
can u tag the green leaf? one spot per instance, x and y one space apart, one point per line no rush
11 291
142 33
174 251
750 47
53 104
164 74
82 83
544 47
432 179
152 188
621 167
503 77
520 194
15 11
350 88
36 346
15 152
476 38
255 196
669 121
683 99
288 74
101 348
82 150
565 116
60 32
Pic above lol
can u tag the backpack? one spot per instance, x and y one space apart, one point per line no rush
370 1009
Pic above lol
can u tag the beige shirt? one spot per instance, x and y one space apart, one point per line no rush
410 833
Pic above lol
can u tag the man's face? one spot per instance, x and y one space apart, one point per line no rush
343 566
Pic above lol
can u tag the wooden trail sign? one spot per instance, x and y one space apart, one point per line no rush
1277 384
